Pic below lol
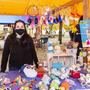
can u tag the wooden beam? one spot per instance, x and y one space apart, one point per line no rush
86 9
68 4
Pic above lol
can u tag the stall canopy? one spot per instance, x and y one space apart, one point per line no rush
31 7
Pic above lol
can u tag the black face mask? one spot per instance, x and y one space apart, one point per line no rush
20 31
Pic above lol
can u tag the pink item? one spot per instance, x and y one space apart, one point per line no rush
38 18
51 18
27 17
88 42
32 24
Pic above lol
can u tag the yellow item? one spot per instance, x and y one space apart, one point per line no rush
66 85
61 88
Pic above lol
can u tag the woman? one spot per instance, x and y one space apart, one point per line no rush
78 37
18 49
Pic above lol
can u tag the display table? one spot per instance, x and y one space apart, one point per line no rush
13 74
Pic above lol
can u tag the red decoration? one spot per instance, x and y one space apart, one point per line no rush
40 75
41 69
75 74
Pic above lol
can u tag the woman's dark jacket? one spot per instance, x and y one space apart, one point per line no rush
18 52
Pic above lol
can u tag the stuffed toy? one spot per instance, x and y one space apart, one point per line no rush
5 88
1 88
88 80
24 88
40 75
55 72
75 74
57 48
41 86
71 82
66 85
64 73
82 79
57 65
24 80
30 71
41 70
18 80
61 88
55 84
75 67
63 76
2 78
6 81
54 77
43 63
63 48
46 79
88 67
85 80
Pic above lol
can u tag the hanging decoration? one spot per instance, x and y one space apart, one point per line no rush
30 20
59 18
55 20
50 19
27 17
33 10
35 20
32 25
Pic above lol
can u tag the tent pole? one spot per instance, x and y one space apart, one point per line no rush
60 33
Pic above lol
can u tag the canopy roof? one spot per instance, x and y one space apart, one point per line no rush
24 7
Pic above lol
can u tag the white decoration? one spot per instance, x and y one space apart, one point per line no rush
46 79
30 72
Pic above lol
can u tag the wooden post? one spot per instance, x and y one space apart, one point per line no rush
60 33
86 15
86 9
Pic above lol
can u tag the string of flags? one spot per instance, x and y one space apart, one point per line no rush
43 20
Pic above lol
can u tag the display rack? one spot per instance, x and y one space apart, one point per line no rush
66 59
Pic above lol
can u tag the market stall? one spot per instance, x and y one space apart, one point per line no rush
77 78
44 21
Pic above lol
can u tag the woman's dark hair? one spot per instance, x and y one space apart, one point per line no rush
25 36
13 34
17 22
